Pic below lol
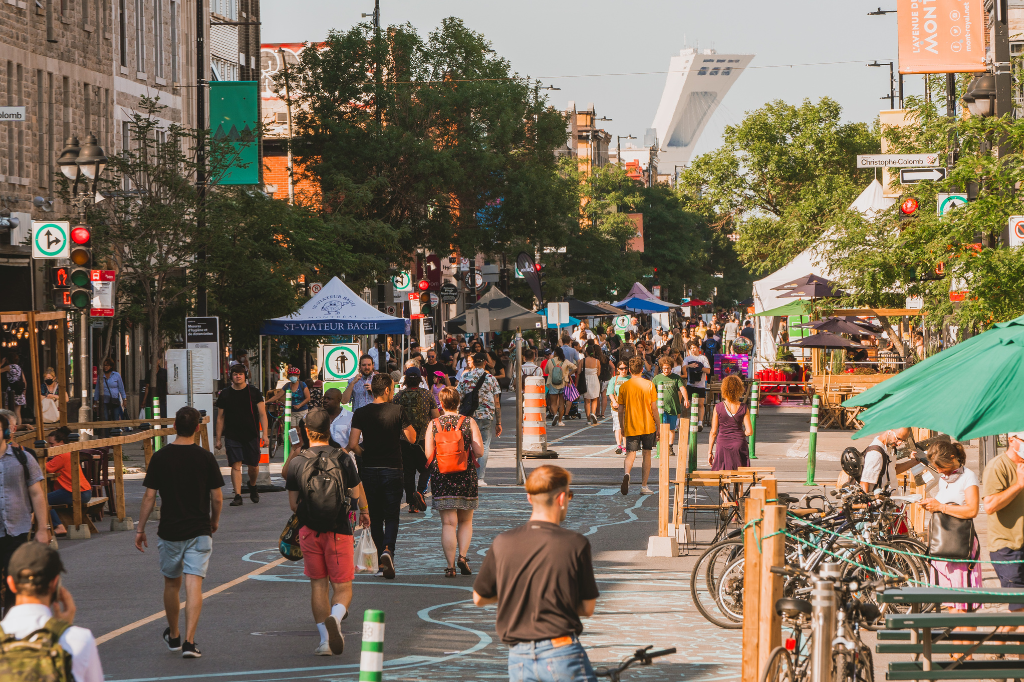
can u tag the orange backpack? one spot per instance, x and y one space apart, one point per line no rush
451 454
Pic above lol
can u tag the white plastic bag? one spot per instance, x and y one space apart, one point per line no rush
365 555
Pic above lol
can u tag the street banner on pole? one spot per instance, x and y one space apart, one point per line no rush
941 36
234 119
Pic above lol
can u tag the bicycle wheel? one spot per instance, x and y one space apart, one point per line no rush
908 544
853 666
880 561
729 595
779 667
704 581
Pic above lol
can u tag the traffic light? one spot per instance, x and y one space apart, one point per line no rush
426 309
908 207
81 265
60 278
423 285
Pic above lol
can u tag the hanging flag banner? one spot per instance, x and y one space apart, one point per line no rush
233 119
941 36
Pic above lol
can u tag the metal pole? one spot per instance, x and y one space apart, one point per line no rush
823 625
287 423
691 464
812 442
188 373
520 380
201 80
83 373
755 397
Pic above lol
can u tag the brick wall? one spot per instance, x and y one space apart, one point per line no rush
275 177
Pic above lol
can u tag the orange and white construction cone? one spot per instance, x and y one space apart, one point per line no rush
535 436
263 477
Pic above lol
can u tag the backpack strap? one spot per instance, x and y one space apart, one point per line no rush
56 627
885 463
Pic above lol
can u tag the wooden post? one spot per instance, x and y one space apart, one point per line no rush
147 448
76 489
119 483
36 373
664 474
41 461
204 436
771 487
754 510
62 372
773 553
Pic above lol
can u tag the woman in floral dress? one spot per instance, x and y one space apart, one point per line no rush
454 494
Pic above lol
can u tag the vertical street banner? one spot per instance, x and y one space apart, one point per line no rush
941 36
234 118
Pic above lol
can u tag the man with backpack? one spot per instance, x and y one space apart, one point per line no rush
21 495
481 401
880 468
42 604
320 481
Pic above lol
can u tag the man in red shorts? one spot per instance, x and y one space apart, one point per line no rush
326 536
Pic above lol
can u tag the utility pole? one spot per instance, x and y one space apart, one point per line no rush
376 69
1000 39
288 104
201 149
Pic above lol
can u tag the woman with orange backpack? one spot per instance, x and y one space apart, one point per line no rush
452 445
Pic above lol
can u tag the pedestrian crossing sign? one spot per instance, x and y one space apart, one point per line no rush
340 362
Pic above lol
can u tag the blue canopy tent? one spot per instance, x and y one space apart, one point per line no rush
572 323
640 300
336 310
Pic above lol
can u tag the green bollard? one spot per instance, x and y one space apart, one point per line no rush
287 423
691 464
812 441
158 441
755 398
371 658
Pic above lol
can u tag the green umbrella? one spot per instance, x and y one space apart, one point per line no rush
971 390
794 308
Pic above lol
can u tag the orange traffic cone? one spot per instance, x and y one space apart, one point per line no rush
535 436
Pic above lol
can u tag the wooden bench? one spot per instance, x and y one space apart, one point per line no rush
93 509
925 634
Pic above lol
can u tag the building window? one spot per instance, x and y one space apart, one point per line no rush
174 41
140 35
714 72
123 34
158 37
726 71
703 71
50 133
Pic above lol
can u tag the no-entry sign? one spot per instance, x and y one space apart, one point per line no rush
1016 230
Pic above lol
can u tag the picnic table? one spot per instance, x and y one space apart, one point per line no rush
926 634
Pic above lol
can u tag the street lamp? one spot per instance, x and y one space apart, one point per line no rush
980 97
88 160
881 12
892 92
618 145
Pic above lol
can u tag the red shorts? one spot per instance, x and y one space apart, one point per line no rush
327 555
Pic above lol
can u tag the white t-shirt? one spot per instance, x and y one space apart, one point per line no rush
703 383
21 621
341 427
873 467
956 492
582 335
732 329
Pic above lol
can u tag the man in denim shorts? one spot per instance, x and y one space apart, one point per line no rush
189 481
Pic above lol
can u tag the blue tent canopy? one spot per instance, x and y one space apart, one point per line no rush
572 323
335 310
641 300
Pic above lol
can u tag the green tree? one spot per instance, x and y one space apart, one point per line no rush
780 178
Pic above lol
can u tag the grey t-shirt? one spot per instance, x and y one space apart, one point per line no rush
15 504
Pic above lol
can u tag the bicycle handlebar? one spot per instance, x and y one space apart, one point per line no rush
642 656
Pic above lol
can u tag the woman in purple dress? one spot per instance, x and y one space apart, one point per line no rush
730 427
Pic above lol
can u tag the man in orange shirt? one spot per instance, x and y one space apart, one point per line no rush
638 415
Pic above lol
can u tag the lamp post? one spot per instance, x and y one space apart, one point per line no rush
618 146
881 13
74 162
892 77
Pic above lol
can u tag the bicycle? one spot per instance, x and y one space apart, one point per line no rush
642 656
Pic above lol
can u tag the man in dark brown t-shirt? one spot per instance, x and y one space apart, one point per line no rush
541 576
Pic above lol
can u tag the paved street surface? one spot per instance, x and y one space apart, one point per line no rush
258 625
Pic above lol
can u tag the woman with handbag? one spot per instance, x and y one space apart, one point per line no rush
452 445
952 532
50 394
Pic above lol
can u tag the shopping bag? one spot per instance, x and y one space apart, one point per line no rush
571 393
365 555
289 541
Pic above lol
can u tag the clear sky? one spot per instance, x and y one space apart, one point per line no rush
574 37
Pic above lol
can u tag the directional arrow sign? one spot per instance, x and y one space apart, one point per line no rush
912 176
50 239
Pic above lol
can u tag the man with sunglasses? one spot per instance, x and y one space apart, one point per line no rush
1003 492
541 576
880 467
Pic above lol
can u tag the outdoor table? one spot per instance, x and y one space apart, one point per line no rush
926 629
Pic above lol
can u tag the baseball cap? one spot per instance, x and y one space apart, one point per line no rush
480 358
36 563
238 368
318 420
413 372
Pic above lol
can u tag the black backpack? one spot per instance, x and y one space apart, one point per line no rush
471 401
322 491
852 462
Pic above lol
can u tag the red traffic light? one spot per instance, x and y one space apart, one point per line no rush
423 285
909 206
80 235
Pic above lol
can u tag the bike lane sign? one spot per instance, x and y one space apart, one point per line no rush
339 362
50 239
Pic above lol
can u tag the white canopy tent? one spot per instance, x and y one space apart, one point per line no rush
870 202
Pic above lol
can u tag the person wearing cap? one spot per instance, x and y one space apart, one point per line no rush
42 603
241 418
1002 490
327 554
488 411
418 409
189 481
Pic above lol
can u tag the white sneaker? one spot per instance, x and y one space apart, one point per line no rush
646 491
323 650
481 482
379 573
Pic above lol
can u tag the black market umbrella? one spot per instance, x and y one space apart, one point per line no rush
824 340
815 290
746 302
837 325
802 281
504 314
578 308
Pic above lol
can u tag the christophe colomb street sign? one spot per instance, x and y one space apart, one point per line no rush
912 176
897 160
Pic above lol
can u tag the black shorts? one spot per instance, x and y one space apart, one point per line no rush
696 391
246 452
642 442
1010 575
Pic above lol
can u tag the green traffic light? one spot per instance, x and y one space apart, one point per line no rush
80 278
80 299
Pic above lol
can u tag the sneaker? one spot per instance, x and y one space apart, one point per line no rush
387 566
254 494
700 426
173 643
323 650
335 639
413 510
646 491
237 502
189 650
379 573
624 488
482 482
420 502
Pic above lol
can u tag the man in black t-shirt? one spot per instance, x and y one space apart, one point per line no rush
189 481
242 415
326 553
541 576
433 365
380 424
